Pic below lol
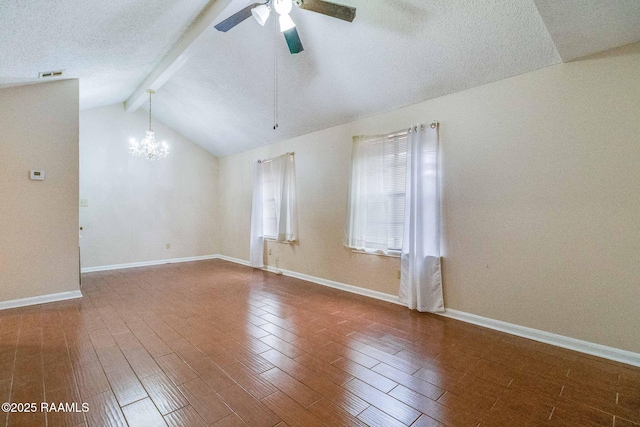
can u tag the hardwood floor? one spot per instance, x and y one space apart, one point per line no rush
214 343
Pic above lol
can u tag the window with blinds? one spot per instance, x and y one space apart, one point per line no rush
395 176
269 202
375 217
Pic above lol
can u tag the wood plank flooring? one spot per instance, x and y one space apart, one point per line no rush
214 343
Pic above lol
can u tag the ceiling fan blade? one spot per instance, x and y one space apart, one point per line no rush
236 18
293 40
346 13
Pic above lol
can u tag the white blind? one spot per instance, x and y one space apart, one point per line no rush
273 207
270 224
375 219
395 174
279 198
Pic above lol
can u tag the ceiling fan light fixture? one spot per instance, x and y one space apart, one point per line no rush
283 7
286 23
261 13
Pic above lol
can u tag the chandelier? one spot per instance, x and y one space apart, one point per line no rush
149 148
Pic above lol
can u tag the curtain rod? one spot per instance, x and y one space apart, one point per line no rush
434 124
291 153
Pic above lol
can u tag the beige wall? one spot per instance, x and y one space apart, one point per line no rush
541 188
136 207
39 219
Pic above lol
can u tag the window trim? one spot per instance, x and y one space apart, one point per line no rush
390 254
395 252
274 240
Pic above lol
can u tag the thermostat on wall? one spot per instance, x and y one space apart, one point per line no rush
37 175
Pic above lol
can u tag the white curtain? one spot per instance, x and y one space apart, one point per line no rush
283 169
256 246
421 278
366 226
280 173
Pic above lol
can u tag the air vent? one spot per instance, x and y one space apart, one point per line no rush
47 74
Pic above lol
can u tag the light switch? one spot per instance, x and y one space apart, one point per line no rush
37 175
84 203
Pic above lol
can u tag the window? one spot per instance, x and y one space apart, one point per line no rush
279 198
395 171
269 222
375 218
273 209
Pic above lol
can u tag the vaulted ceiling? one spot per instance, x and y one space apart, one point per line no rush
110 46
219 92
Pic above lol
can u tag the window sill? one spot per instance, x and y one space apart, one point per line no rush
393 254
284 242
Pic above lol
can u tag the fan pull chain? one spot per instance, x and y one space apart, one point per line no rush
275 75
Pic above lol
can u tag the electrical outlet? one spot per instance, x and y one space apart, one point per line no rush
399 274
269 251
84 203
36 175
168 245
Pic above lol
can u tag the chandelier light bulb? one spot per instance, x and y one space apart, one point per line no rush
149 148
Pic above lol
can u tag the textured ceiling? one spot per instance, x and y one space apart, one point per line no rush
110 45
395 53
583 27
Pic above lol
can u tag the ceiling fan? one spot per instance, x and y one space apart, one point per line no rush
260 12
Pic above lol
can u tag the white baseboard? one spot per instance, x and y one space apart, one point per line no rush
336 285
42 299
234 260
146 263
586 347
325 282
581 346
